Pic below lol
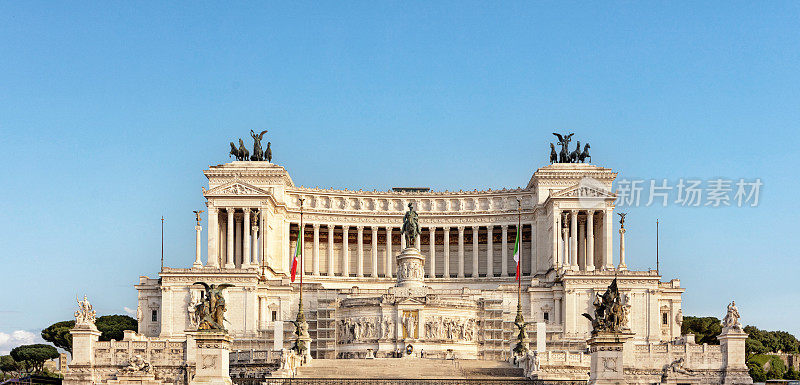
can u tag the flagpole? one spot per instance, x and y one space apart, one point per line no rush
300 236
162 243
519 320
657 270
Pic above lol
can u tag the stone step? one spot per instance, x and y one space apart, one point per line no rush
408 368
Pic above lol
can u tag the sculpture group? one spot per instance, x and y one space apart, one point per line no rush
567 156
242 154
411 228
611 314
210 312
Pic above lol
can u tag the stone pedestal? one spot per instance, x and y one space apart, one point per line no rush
606 355
410 268
732 343
81 368
213 350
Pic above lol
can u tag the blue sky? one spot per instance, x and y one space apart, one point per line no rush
109 111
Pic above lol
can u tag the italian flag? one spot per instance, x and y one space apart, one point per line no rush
296 256
516 251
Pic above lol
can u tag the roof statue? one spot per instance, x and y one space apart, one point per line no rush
611 315
411 228
258 155
622 219
197 216
731 319
565 155
242 154
210 312
85 315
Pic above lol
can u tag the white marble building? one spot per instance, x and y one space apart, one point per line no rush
351 239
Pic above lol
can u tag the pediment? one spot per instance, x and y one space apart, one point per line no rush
583 191
235 188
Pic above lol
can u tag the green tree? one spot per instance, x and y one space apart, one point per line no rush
756 372
58 334
34 356
113 326
705 329
8 365
791 374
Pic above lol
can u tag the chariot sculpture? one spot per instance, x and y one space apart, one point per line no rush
567 156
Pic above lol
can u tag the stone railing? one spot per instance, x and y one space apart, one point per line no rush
696 357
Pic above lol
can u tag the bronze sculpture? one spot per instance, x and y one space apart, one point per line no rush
197 216
240 153
411 228
210 312
258 155
565 155
611 315
268 152
622 220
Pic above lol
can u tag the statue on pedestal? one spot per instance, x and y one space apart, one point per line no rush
210 312
610 311
411 228
731 319
85 315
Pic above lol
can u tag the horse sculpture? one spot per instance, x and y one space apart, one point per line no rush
245 155
240 153
585 154
574 155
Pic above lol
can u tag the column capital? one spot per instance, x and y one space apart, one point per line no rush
446 228
490 227
573 212
255 228
315 226
230 209
374 229
590 211
345 227
360 228
461 228
504 227
198 228
475 228
389 230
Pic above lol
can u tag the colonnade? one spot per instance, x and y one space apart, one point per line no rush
347 252
582 241
234 239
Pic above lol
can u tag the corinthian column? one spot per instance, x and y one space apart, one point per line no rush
315 251
504 254
607 253
446 253
374 251
474 251
622 265
229 262
432 253
460 251
345 251
213 239
573 240
360 252
256 259
197 262
246 232
590 240
331 264
489 251
556 238
389 255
